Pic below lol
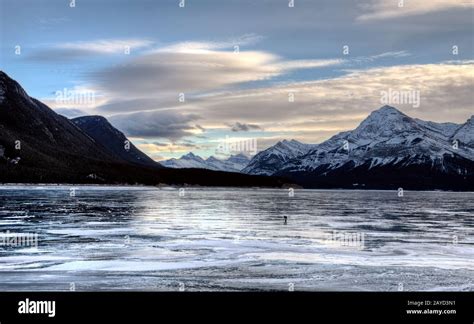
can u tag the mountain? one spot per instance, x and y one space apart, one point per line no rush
238 161
387 150
234 163
187 161
39 146
39 139
274 158
113 140
465 134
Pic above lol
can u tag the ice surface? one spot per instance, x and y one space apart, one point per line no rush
144 238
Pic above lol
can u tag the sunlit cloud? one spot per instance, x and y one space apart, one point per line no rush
384 9
307 64
187 71
324 107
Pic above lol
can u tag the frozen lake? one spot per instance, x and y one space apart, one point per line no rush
143 238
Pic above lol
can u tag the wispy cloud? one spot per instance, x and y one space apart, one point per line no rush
68 51
206 46
106 46
306 64
173 73
395 54
385 9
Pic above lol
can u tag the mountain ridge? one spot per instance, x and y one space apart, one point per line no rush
234 163
387 140
113 140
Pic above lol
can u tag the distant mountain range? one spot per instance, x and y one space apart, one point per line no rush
387 150
39 146
234 163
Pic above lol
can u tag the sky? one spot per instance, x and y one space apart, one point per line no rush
180 76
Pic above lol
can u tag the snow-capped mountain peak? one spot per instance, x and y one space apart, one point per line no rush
192 156
239 159
384 122
292 145
272 159
386 137
234 163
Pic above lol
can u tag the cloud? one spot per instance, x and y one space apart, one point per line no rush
172 73
385 9
170 125
206 46
158 150
119 104
396 54
156 80
307 64
393 54
106 46
242 127
372 58
200 128
84 49
53 21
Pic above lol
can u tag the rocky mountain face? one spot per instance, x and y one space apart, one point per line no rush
388 149
34 137
113 140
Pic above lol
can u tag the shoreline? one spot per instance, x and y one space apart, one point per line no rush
5 186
